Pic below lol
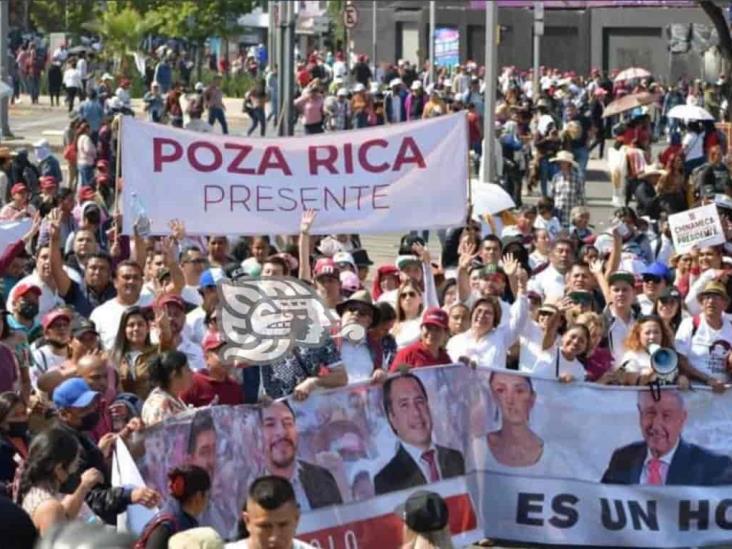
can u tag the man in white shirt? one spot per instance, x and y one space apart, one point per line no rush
271 515
551 282
655 279
358 314
174 308
43 279
106 317
706 339
619 314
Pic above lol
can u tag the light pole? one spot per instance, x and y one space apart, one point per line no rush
432 42
4 16
538 32
373 36
489 115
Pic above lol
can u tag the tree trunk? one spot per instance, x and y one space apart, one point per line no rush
199 61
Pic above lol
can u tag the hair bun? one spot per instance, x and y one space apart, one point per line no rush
177 485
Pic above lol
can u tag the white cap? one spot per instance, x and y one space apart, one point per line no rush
342 92
447 83
41 143
416 85
395 82
359 87
374 87
199 86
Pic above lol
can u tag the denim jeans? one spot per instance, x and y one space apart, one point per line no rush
216 113
86 176
258 119
581 156
546 172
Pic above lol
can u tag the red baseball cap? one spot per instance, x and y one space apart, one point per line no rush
212 341
21 289
52 316
47 182
165 299
325 266
435 316
18 188
87 193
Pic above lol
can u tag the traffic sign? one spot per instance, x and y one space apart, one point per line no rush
350 16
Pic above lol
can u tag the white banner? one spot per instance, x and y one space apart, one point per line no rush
383 179
698 227
572 464
12 231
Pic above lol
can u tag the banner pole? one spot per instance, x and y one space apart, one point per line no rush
470 173
118 164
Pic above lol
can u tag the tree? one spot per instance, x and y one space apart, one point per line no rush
335 12
60 15
196 21
715 12
122 30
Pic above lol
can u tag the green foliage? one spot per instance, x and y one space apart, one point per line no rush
60 15
197 20
335 11
122 30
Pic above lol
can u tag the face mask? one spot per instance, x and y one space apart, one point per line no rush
89 421
17 429
28 310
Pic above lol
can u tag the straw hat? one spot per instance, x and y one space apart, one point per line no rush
564 156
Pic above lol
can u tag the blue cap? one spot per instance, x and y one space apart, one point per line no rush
657 269
206 279
73 393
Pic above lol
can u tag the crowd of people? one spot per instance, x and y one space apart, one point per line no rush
104 335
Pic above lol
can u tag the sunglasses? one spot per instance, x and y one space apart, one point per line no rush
408 294
360 311
651 278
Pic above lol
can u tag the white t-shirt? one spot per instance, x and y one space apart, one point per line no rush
408 332
532 337
190 295
707 349
107 316
358 361
44 360
693 145
547 367
617 334
49 297
244 544
195 325
549 283
635 361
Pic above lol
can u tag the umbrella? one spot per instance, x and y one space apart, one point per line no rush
628 102
689 112
76 50
631 73
489 198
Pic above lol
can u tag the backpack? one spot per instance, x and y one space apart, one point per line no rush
70 153
163 518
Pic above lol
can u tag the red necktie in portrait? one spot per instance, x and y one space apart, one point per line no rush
429 458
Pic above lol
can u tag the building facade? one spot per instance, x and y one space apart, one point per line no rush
574 39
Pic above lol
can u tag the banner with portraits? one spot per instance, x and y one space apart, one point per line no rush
374 180
515 457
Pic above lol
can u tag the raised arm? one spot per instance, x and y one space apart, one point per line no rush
62 280
519 309
467 252
306 223
597 271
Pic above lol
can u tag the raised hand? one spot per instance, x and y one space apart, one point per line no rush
177 229
307 220
510 264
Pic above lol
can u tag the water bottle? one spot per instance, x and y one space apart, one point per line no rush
142 221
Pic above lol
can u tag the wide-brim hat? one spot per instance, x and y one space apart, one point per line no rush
564 156
364 298
651 171
714 288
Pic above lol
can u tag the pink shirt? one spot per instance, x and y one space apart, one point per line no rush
311 108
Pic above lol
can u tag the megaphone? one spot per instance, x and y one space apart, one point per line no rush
664 361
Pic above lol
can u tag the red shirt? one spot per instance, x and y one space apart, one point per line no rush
474 129
205 389
417 355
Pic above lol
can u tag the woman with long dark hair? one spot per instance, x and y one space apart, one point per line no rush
170 376
133 351
13 437
52 460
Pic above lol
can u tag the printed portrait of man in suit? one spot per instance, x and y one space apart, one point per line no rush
664 457
418 459
314 485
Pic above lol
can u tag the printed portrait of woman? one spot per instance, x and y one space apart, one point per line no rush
514 447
